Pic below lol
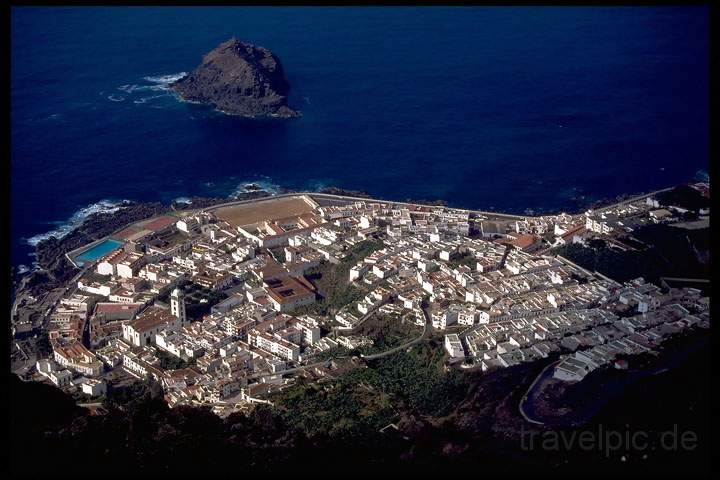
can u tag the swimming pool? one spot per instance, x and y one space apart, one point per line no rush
98 251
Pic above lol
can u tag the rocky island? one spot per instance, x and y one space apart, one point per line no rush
239 79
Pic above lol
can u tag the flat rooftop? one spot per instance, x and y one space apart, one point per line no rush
288 289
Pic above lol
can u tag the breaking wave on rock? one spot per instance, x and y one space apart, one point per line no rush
263 185
156 83
77 218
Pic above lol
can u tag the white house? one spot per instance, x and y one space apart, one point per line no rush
94 387
454 347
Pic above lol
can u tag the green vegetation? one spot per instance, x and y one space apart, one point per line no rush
132 395
343 409
331 353
194 294
278 253
387 331
171 362
332 281
363 400
673 252
467 259
362 249
39 346
683 196
173 238
418 378
253 281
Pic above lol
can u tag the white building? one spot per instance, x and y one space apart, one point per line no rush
143 329
571 370
94 387
443 319
467 316
177 306
275 345
357 271
48 369
310 329
453 345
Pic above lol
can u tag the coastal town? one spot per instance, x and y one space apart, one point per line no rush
226 305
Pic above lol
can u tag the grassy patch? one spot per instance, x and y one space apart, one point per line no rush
364 400
673 252
467 259
171 362
278 253
341 410
418 377
331 353
387 331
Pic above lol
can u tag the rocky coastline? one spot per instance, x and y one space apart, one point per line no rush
53 267
344 192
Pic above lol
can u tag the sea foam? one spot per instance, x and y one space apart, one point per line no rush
67 226
263 184
166 79
157 83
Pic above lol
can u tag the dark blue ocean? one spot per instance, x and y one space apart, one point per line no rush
496 108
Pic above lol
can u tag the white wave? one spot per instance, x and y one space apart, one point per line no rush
182 100
264 184
158 83
142 88
151 97
166 79
103 206
184 200
22 269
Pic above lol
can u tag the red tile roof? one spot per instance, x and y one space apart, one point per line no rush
116 307
524 240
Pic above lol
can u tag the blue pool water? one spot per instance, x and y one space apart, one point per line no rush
98 251
547 108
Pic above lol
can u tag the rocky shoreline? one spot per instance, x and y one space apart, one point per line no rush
344 192
53 267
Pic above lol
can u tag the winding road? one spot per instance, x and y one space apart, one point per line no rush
521 405
364 357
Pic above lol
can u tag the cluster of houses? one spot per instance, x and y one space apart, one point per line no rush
640 333
480 279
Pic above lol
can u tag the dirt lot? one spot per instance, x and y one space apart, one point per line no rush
245 214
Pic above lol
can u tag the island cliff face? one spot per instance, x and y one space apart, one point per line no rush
239 79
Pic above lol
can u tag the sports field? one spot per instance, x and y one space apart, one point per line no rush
270 209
